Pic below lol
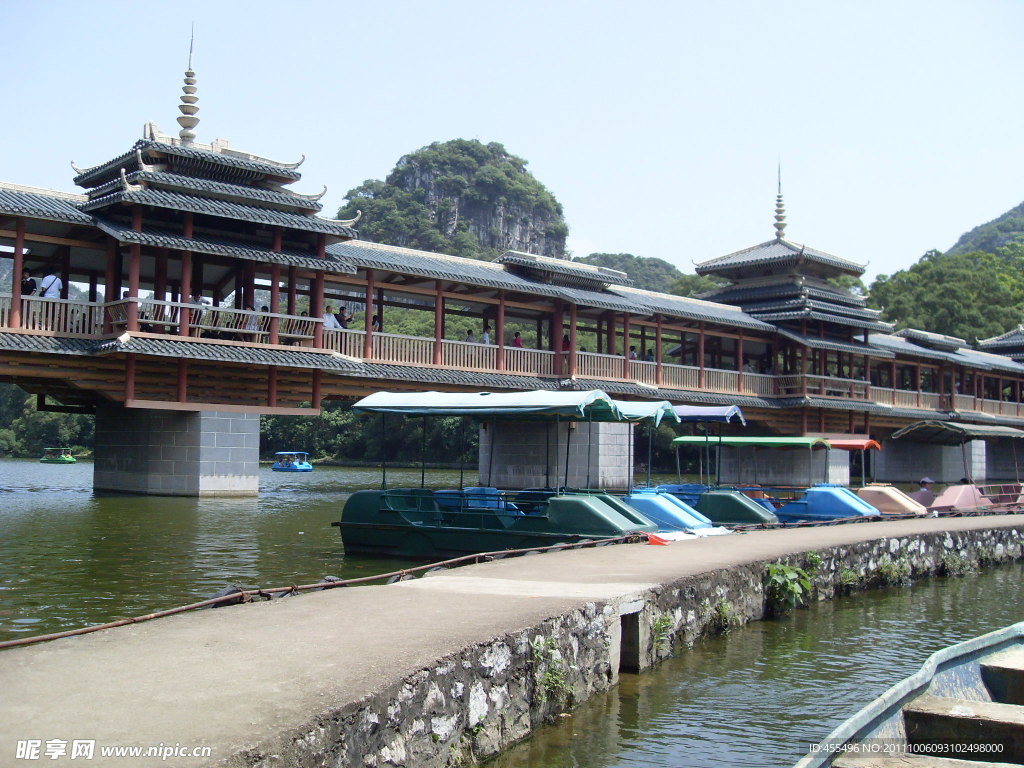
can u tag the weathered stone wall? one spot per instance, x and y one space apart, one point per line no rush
473 704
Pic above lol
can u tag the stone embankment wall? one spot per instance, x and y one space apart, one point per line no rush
480 701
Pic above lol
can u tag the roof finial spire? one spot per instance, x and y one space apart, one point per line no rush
780 210
188 120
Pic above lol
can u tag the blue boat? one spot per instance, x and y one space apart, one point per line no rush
292 461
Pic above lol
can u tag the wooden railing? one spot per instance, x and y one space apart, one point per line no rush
86 319
463 354
411 350
345 342
680 377
61 316
536 362
590 365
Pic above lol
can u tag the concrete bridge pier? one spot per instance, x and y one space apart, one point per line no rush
176 453
906 461
770 466
533 455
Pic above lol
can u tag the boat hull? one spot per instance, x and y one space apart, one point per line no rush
410 522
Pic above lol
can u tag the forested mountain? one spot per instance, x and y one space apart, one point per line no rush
972 295
989 237
460 197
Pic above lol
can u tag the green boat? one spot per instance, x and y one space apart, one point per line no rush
426 523
57 456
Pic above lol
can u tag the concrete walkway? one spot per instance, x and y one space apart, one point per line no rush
243 677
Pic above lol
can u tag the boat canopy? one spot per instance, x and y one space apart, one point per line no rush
291 453
755 442
853 443
953 432
647 410
719 413
593 405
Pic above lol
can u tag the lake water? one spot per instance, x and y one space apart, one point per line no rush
69 558
758 696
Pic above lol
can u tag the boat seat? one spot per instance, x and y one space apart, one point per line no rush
409 499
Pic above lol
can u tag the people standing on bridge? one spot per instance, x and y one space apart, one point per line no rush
470 338
517 340
28 285
486 338
330 321
632 353
375 323
52 286
566 343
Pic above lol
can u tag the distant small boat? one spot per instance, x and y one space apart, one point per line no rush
292 461
57 456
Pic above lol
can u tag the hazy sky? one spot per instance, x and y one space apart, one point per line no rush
658 125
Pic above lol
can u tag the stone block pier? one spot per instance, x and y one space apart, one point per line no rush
437 671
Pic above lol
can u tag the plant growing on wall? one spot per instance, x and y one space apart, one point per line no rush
785 587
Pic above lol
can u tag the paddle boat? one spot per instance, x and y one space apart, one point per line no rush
426 523
814 502
57 456
966 703
291 461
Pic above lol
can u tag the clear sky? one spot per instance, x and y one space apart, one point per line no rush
658 125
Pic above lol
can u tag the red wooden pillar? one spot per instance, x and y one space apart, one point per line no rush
316 388
316 308
803 379
274 328
892 367
700 358
572 340
134 266
292 290
600 334
368 317
867 377
739 361
185 312
625 346
917 382
110 281
610 330
14 318
499 331
93 287
657 350
438 322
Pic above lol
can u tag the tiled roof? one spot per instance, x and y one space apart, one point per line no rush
694 309
55 345
42 204
797 302
469 271
933 340
837 346
1012 338
777 252
222 208
231 353
204 187
128 160
748 292
827 317
222 247
964 356
565 267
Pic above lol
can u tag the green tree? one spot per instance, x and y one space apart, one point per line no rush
646 272
969 295
694 285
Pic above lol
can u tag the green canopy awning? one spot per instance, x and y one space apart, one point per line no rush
594 405
954 432
755 442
